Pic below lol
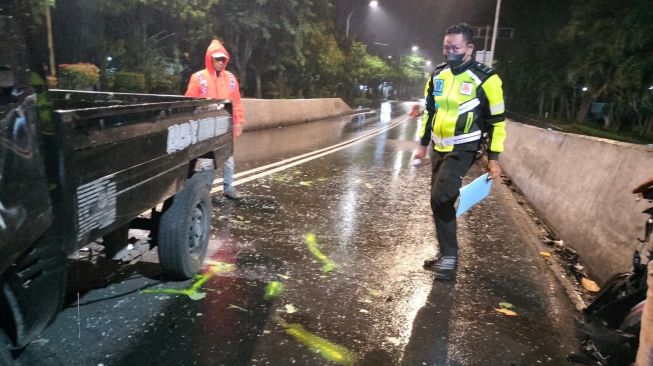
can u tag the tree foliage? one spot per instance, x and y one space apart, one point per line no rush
603 53
279 48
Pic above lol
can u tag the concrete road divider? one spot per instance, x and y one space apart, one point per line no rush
271 113
581 186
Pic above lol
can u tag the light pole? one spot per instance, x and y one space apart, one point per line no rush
48 24
372 4
495 31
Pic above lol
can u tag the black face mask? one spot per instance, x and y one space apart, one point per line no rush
454 60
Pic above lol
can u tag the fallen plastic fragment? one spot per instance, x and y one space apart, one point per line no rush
506 312
369 186
273 290
364 311
307 183
505 305
545 254
220 267
394 340
232 306
325 348
311 243
589 285
290 308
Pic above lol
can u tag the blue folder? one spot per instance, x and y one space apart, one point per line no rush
473 193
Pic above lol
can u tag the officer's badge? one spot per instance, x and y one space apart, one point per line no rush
466 88
438 87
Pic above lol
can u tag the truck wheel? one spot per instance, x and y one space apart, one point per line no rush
184 228
6 359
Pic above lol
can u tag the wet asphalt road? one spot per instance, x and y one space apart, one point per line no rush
368 208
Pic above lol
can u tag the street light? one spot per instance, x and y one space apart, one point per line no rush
495 31
428 63
372 4
415 48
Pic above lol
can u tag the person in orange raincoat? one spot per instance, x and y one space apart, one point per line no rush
217 83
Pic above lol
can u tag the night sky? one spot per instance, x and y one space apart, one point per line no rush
402 23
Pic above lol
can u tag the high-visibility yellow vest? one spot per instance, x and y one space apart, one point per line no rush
461 105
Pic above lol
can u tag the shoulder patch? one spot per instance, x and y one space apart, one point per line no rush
439 68
483 68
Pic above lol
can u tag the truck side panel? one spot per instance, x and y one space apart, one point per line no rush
122 161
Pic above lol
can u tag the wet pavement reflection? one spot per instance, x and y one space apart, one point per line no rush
343 237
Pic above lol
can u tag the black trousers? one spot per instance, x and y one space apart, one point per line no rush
448 170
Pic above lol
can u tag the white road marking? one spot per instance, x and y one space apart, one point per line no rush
291 162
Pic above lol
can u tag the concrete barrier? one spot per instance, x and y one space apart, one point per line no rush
270 113
581 187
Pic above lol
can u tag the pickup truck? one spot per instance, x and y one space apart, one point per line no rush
81 167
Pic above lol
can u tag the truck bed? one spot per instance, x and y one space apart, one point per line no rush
116 155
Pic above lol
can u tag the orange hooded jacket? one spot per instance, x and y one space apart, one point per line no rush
206 84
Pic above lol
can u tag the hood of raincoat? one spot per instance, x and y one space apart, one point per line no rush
214 47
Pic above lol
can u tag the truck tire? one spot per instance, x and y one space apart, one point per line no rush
184 228
6 359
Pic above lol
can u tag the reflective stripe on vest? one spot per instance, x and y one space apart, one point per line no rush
456 140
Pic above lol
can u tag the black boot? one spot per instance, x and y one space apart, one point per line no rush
445 268
430 262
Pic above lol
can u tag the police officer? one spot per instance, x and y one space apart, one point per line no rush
464 99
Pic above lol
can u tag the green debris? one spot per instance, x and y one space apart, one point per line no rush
325 348
505 305
282 178
196 295
306 183
311 242
374 292
194 292
273 290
